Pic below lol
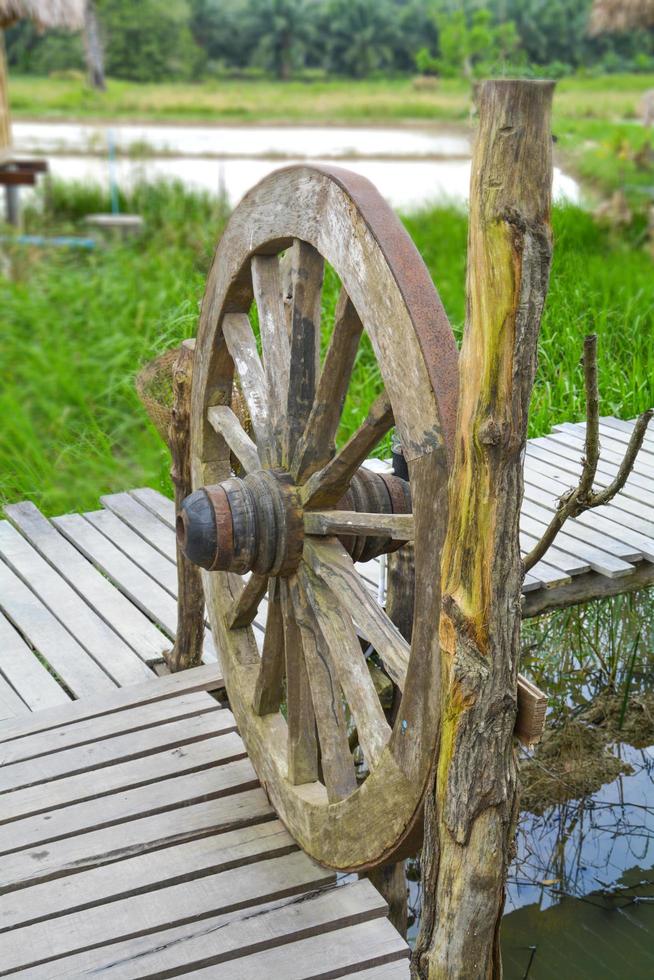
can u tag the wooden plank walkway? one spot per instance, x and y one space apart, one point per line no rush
94 595
135 838
137 842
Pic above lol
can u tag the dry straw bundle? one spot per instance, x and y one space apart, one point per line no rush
46 14
613 16
154 386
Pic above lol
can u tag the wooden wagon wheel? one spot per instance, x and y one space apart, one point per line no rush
281 521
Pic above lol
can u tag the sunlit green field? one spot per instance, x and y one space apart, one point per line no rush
613 97
77 326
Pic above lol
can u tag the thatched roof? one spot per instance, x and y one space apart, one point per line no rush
46 14
614 16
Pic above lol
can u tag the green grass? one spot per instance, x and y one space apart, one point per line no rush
613 97
76 328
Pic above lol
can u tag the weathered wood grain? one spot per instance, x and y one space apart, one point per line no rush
349 664
101 643
103 752
206 678
228 426
471 805
243 349
304 363
128 621
316 445
336 760
269 688
300 714
398 527
224 938
33 687
329 484
78 671
239 887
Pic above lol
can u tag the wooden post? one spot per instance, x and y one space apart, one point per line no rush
5 117
187 651
471 805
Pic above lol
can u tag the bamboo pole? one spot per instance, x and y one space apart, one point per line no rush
471 805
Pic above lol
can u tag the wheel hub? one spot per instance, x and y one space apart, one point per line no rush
244 525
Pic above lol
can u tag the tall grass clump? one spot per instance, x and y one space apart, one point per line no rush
76 327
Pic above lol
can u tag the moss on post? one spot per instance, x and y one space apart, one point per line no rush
471 805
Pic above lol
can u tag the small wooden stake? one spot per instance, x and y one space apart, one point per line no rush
187 651
471 805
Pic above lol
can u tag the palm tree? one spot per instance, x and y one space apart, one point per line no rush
362 35
281 31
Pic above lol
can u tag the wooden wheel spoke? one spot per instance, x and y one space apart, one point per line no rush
300 717
245 607
226 424
316 445
336 759
398 527
269 687
332 564
243 350
329 484
350 667
308 271
268 294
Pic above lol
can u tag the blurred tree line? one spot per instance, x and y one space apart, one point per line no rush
157 40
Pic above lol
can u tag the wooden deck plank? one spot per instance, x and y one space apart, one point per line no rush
25 674
90 869
375 942
598 560
567 471
138 587
142 521
572 442
163 507
130 720
539 486
566 446
569 564
135 628
234 889
206 752
10 704
78 671
105 646
161 569
204 678
231 773
107 751
595 538
611 441
219 938
398 970
623 426
543 493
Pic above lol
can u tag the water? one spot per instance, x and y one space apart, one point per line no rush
409 167
580 890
